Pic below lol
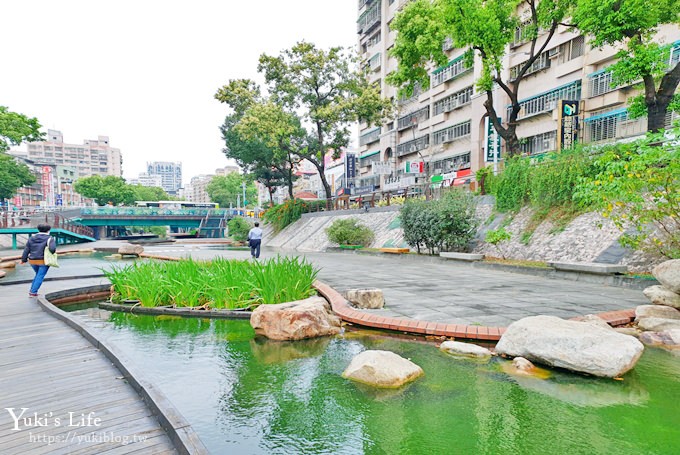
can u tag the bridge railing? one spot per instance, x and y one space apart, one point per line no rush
149 211
55 220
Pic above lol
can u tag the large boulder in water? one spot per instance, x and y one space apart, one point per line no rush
656 311
668 274
297 320
573 345
382 369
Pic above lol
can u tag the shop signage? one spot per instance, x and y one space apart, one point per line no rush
414 167
492 141
382 167
568 123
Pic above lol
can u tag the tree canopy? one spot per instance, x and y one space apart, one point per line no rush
149 193
631 25
226 190
484 28
13 175
16 128
105 190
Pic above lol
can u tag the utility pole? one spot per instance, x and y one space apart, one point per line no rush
243 185
426 165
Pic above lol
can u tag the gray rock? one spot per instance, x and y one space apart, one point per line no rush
656 311
658 324
595 320
459 349
366 298
669 339
128 249
382 369
659 295
573 345
668 274
522 364
297 320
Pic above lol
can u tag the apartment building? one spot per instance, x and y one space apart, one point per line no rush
93 157
145 179
170 173
197 190
445 127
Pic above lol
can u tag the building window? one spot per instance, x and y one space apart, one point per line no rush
542 62
601 83
571 49
604 126
451 133
454 101
369 158
540 143
369 19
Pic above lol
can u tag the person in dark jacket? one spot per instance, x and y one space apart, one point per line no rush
34 253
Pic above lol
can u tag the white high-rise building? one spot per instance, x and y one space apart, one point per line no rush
170 173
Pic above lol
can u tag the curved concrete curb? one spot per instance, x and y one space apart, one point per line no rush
211 314
179 431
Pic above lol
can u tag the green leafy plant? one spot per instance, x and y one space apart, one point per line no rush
348 231
285 214
496 237
447 224
220 283
637 185
238 228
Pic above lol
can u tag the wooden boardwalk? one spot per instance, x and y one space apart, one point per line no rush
53 371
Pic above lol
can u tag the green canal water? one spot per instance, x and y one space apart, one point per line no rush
244 394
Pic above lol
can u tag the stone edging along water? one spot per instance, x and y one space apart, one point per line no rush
178 429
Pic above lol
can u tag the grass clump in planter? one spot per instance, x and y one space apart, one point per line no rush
219 283
349 231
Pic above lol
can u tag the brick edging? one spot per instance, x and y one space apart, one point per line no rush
471 332
349 314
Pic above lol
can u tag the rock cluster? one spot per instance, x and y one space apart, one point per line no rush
128 249
660 322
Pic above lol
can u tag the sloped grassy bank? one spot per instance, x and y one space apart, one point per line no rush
219 283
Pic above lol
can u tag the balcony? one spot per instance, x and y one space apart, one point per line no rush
454 101
451 133
546 102
413 146
369 19
452 70
413 118
370 136
374 62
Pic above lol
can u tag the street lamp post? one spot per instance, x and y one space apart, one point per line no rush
426 165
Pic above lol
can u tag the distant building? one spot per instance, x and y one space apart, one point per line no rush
170 173
93 157
197 190
227 170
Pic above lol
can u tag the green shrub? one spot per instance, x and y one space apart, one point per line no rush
284 214
219 283
496 237
512 188
238 228
348 231
447 224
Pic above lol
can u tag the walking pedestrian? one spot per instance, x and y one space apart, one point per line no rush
34 253
255 240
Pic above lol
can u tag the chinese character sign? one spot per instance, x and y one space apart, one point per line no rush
568 124
493 141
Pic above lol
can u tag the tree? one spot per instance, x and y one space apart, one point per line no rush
633 24
149 193
225 190
106 190
16 128
259 150
328 95
13 175
485 28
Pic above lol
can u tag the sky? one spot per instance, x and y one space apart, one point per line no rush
144 72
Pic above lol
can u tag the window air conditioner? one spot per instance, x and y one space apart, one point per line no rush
554 52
